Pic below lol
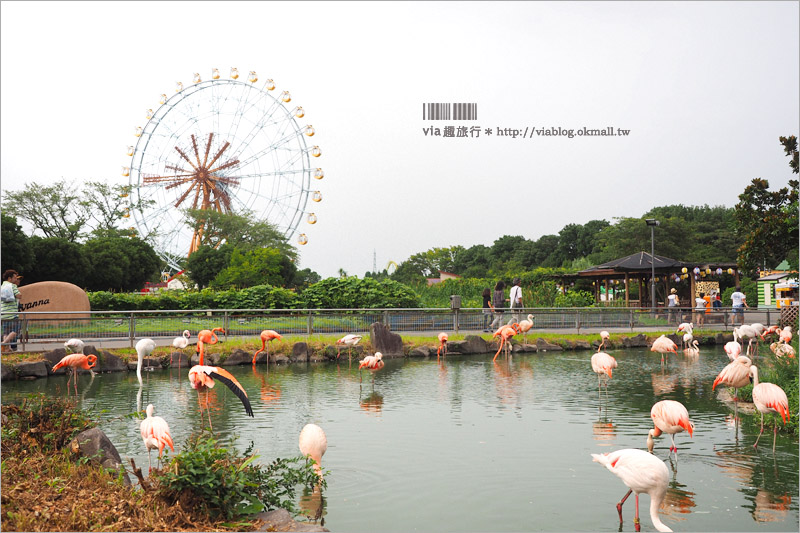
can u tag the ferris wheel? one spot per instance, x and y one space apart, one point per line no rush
226 145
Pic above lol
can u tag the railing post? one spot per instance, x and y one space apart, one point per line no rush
768 321
455 320
310 323
132 328
225 324
386 318
630 321
578 320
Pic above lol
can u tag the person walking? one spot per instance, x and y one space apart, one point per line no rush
739 301
700 309
673 303
498 303
515 297
488 309
9 311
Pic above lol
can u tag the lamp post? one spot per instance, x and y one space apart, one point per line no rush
652 223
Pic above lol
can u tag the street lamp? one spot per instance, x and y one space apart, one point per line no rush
652 223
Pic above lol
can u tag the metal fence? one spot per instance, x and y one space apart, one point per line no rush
132 325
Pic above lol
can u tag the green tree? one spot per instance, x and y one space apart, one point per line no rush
120 263
205 263
354 293
305 278
58 259
239 230
108 205
55 210
15 248
767 223
262 266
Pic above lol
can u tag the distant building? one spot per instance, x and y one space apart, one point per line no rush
442 276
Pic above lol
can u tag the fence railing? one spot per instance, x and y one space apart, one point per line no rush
40 328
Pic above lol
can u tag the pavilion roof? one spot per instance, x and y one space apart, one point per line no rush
643 262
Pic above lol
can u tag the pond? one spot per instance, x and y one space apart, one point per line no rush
468 445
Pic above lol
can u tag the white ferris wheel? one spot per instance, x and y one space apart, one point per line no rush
227 145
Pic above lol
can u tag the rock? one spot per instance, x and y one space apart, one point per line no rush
279 358
421 351
473 344
608 346
544 346
52 358
384 341
281 520
329 353
238 357
639 341
301 352
7 372
31 370
147 362
677 339
582 345
182 360
108 362
94 444
211 359
723 338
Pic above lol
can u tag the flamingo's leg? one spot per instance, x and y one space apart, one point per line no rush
636 524
619 505
760 432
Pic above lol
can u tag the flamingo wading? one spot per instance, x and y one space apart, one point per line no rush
266 336
313 444
769 398
670 417
206 336
76 361
155 434
202 378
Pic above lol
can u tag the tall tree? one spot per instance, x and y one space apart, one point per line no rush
54 210
15 252
58 259
121 263
204 264
240 230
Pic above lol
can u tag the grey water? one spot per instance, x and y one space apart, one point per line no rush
465 444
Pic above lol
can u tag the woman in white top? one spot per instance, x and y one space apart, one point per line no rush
700 309
673 303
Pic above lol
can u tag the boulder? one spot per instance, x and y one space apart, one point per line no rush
94 444
53 357
211 359
31 370
147 363
301 352
724 338
674 337
238 357
544 346
108 362
7 372
281 520
384 341
582 345
279 358
421 351
182 360
330 352
525 348
639 341
474 344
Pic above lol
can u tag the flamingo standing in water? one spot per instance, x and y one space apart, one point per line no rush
736 375
373 363
206 336
155 434
180 343
143 348
314 444
746 331
349 340
693 350
769 398
442 345
76 361
202 378
664 345
266 336
641 472
733 349
505 333
602 365
604 336
670 417
687 328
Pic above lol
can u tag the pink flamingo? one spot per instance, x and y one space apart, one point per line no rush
155 434
266 336
442 344
733 349
663 345
772 330
314 444
202 378
781 349
641 472
373 363
602 365
206 336
505 333
749 332
769 398
526 325
180 343
670 417
786 334
736 375
76 361
687 328
604 336
349 340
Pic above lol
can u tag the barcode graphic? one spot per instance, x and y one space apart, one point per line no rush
447 111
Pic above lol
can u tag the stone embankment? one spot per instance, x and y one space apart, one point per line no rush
382 340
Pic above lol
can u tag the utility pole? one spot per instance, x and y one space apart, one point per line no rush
652 223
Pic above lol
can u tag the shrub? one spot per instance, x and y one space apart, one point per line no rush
45 422
351 292
214 477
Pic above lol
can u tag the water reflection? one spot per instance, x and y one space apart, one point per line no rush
604 431
770 507
269 391
663 383
312 505
372 404
678 502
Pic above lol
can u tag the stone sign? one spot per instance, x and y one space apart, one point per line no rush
54 296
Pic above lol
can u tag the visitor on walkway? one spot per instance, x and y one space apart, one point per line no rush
700 309
9 311
488 309
498 302
673 303
739 301
515 297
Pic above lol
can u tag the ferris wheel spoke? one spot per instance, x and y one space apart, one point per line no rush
186 158
268 149
208 149
259 125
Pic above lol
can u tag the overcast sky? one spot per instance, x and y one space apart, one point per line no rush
705 89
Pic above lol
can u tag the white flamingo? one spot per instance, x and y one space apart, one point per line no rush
143 348
180 343
314 444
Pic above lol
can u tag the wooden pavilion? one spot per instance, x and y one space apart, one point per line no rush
638 268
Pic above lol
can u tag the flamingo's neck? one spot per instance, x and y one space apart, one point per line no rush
655 503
